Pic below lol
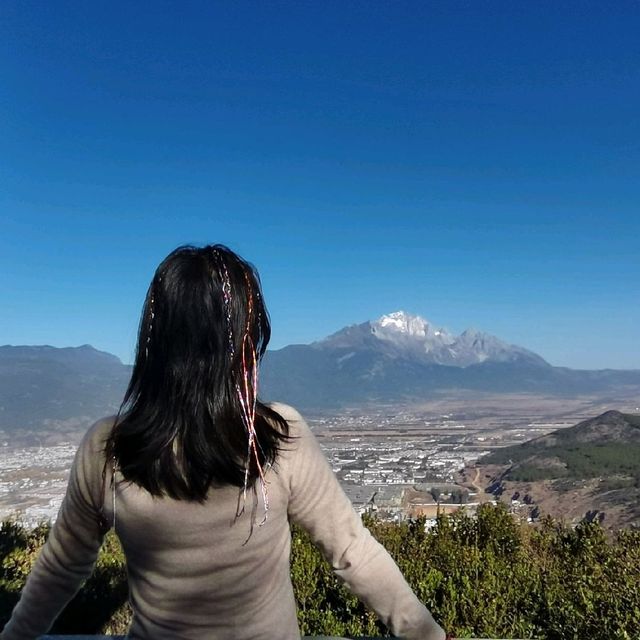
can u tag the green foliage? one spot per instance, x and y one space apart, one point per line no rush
531 473
101 605
577 461
483 576
593 460
325 606
633 419
588 450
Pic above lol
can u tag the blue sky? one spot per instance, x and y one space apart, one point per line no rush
474 163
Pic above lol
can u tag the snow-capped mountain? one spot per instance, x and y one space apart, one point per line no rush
411 336
402 357
398 359
404 329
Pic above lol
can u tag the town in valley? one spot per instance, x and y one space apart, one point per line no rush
396 461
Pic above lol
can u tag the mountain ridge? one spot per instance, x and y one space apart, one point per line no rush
398 358
43 384
401 332
405 358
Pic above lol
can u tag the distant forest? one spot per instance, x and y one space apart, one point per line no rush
484 576
591 449
578 461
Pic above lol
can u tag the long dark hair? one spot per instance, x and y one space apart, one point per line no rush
180 428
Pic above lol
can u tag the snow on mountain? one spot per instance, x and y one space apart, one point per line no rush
404 328
403 358
402 322
411 336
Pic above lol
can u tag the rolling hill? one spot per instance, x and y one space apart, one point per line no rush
43 384
592 468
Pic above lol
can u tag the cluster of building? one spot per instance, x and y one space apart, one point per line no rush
398 466
33 481
397 463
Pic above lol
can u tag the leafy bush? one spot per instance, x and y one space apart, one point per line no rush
483 576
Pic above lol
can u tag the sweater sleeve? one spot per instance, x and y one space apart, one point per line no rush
318 504
70 552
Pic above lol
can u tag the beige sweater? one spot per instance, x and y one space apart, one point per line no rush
191 576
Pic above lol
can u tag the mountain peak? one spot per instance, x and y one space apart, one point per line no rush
412 332
402 322
409 336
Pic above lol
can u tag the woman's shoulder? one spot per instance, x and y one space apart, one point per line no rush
97 434
302 446
297 424
92 448
86 476
286 411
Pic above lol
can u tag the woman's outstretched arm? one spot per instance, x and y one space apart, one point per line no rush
320 506
70 552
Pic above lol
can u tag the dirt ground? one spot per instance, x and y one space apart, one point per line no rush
566 501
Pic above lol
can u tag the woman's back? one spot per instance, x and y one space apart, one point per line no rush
201 481
195 570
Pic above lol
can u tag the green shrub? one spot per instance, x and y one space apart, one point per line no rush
483 576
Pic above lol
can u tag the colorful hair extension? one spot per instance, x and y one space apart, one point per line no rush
246 385
152 315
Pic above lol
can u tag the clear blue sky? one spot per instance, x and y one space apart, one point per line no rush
477 163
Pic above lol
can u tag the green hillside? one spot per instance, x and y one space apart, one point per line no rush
606 446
